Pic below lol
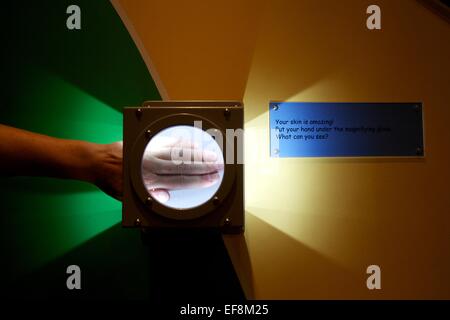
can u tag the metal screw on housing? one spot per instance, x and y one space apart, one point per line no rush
137 222
216 200
419 151
139 112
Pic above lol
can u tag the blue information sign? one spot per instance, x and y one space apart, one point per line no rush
310 129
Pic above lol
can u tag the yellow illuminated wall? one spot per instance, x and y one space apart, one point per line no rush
314 225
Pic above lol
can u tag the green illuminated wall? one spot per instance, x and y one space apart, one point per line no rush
68 84
74 84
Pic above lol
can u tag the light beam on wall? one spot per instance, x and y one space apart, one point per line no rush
54 222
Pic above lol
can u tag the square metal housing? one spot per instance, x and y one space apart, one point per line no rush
225 210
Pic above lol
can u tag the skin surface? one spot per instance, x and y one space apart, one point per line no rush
24 153
174 164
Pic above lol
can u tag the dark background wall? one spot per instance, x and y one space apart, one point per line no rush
74 84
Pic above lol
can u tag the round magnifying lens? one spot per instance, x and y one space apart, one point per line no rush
182 167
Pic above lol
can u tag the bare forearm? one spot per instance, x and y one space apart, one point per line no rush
26 153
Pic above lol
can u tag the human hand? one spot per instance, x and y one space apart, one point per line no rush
27 153
174 164
107 168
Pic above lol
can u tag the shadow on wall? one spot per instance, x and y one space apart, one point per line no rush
100 59
113 265
122 263
181 266
305 273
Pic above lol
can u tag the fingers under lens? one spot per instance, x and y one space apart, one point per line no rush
160 195
193 168
177 182
178 154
